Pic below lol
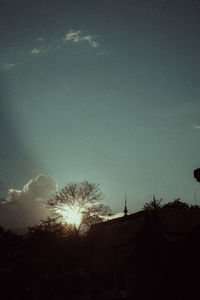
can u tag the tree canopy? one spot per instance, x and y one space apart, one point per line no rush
175 204
153 204
81 199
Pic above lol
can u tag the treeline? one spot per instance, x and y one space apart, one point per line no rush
46 263
175 204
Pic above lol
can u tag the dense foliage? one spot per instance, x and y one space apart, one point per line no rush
175 204
44 264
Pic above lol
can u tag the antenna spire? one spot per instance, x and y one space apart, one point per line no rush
125 206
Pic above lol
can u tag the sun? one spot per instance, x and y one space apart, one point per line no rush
71 215
74 217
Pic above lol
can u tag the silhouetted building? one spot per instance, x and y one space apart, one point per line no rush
136 255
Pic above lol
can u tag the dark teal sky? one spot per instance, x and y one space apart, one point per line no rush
104 91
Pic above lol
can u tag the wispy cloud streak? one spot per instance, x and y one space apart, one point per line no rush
76 36
35 51
40 39
43 46
8 66
196 127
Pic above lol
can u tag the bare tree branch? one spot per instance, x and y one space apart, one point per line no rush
85 197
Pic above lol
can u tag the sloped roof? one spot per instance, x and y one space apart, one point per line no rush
117 232
113 241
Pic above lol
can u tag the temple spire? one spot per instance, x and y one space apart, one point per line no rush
125 207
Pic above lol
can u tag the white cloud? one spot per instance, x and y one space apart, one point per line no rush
27 207
76 36
35 51
40 39
8 66
42 48
73 36
90 41
196 126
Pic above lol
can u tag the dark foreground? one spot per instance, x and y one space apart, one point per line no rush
149 266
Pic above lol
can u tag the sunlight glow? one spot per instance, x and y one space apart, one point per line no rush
71 215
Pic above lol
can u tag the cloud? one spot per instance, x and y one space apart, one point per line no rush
76 36
90 40
196 126
40 39
8 66
43 46
101 53
73 36
35 51
27 207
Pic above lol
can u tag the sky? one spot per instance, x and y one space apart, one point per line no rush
106 91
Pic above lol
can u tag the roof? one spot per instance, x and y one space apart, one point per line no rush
113 241
120 231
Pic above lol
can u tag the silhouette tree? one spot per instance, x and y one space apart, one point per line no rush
153 204
177 203
197 174
53 260
49 225
84 198
52 226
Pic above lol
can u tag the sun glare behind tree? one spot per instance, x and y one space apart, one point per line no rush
70 215
80 204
